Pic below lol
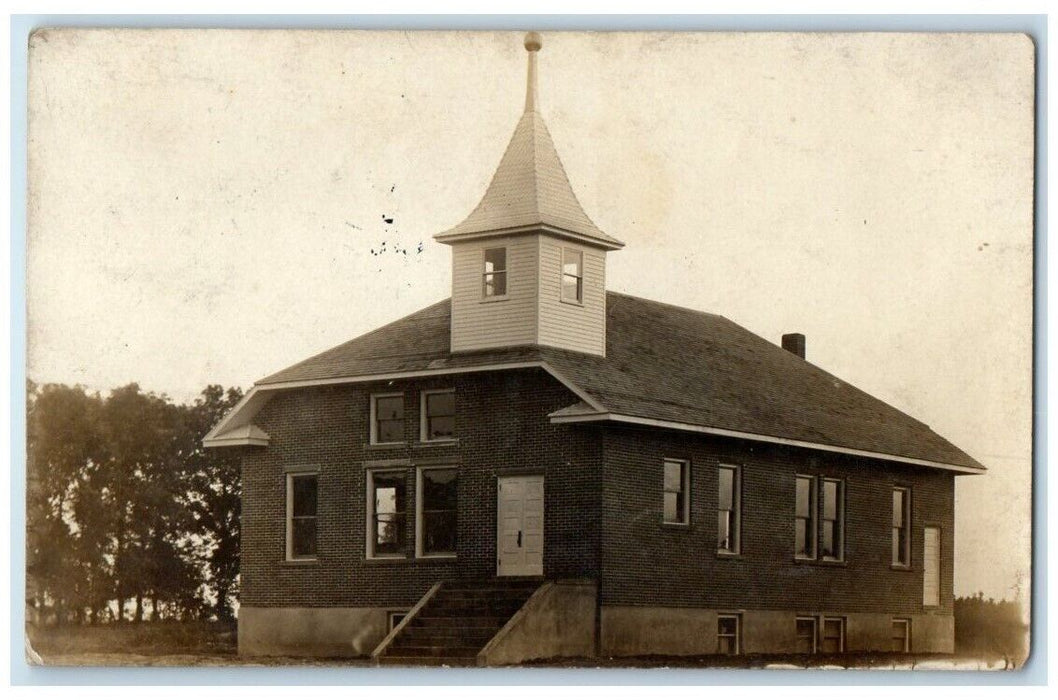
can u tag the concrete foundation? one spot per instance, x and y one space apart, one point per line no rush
635 631
557 621
324 632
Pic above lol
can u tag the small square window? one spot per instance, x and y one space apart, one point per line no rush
494 274
438 415
395 618
901 636
387 418
806 635
675 488
729 634
301 516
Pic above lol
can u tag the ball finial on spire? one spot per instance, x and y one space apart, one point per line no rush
533 42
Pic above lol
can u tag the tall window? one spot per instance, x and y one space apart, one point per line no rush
901 635
676 482
301 516
728 634
806 635
833 637
804 519
438 492
494 276
438 415
387 510
729 511
901 527
572 275
831 521
387 418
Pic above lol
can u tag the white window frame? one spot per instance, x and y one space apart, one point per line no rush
823 628
390 614
369 526
812 536
736 509
424 423
289 549
505 271
419 553
905 563
738 631
374 416
839 520
906 621
685 486
579 277
815 631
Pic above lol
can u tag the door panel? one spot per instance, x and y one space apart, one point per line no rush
931 567
520 526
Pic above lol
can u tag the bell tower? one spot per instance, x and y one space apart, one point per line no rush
528 265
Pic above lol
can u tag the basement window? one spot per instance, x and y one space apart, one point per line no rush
728 635
438 495
902 527
833 638
729 515
572 275
676 491
301 515
387 510
494 275
806 635
395 618
387 419
901 635
438 409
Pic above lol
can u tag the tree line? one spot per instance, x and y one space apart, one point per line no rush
128 517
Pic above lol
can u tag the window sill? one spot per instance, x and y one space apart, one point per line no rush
676 526
572 302
821 562
900 567
296 563
729 555
411 560
448 442
384 445
490 300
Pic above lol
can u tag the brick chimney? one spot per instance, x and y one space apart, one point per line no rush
795 343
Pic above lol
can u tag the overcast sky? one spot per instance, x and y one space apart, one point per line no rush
210 206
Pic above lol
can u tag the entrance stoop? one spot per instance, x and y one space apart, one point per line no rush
494 622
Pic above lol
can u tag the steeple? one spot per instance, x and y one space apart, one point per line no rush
530 188
528 265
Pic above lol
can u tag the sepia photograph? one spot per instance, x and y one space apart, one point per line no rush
548 349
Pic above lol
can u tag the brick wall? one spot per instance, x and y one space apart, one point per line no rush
647 563
501 424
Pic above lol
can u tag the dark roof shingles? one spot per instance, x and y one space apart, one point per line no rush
665 363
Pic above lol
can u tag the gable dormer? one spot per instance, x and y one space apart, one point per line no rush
528 265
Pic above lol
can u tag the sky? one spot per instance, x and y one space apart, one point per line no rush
211 206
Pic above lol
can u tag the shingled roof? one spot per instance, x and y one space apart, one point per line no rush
665 365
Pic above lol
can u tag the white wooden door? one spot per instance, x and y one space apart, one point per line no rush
520 526
931 567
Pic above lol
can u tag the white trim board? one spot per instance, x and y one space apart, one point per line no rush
690 427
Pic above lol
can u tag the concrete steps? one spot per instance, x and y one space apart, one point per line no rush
457 622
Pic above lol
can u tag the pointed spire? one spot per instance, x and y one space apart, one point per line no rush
533 42
530 189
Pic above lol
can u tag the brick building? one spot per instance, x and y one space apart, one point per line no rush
539 467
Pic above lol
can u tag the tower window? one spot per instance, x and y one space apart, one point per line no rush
494 277
572 275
